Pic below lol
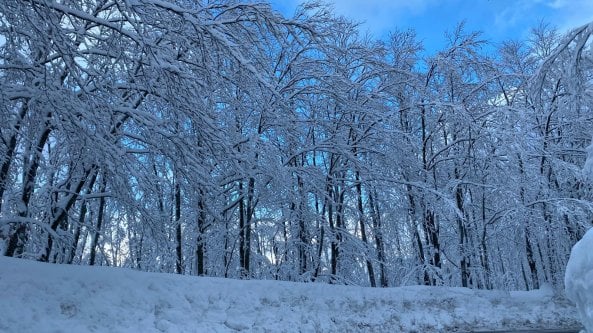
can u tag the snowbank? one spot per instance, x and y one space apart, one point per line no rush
578 280
36 297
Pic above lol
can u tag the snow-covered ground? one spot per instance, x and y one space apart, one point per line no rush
36 297
579 279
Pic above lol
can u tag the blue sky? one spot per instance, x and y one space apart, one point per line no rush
497 19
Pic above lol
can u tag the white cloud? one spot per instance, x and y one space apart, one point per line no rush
562 14
378 16
559 4
381 16
504 19
574 13
357 7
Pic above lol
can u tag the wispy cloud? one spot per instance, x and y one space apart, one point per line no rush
381 15
572 13
559 4
562 14
498 19
377 16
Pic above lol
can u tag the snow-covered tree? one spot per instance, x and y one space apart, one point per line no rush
219 138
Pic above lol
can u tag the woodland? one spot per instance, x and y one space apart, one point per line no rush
220 138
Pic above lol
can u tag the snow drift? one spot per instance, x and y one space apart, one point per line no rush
37 297
579 279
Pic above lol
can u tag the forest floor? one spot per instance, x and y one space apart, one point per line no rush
37 297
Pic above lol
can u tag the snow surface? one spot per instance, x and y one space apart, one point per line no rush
578 280
37 297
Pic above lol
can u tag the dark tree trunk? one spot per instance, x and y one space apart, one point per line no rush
200 267
11 146
528 248
483 246
18 239
303 237
464 263
100 217
249 218
178 235
531 262
60 213
379 243
417 239
76 236
242 231
363 233
81 221
334 242
245 215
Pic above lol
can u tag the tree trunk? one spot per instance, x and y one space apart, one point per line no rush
464 263
363 233
417 239
60 212
201 269
379 244
531 262
248 226
334 243
483 246
178 235
245 215
81 218
11 146
303 238
432 232
18 239
100 217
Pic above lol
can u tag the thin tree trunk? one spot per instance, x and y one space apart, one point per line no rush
417 239
228 254
60 212
303 239
7 159
242 226
245 216
178 235
377 231
531 262
18 239
76 236
201 269
528 248
100 217
249 218
464 264
81 218
321 236
334 243
363 233
320 221
483 246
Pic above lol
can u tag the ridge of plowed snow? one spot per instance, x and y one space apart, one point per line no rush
37 297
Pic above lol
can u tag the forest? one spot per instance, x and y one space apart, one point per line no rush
220 138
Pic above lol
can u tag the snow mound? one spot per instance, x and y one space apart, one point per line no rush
578 280
37 297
